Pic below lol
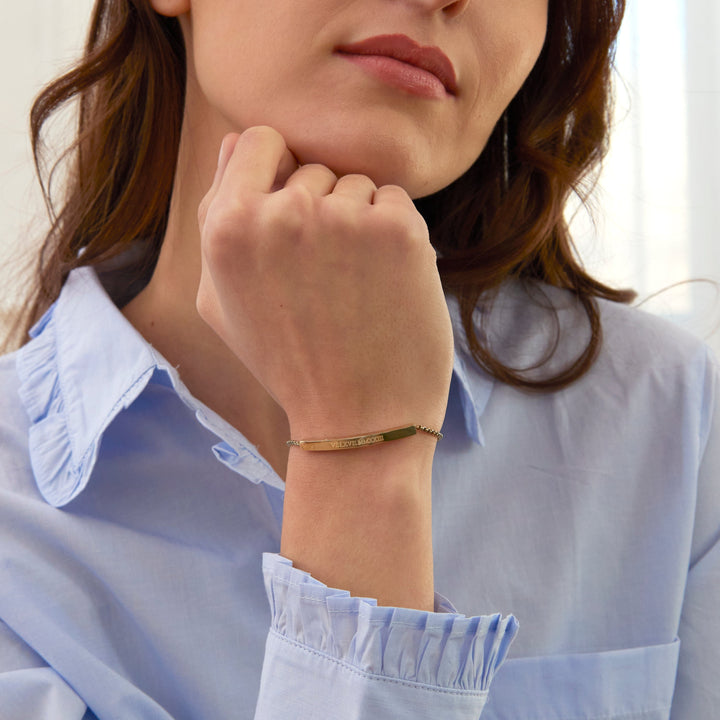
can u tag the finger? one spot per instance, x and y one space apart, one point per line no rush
360 187
259 156
392 194
394 200
316 178
226 149
288 165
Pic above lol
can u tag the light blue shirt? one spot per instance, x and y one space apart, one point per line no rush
139 574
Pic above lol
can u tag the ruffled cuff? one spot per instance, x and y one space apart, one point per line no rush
442 649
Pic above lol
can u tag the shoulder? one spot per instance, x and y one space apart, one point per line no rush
648 371
544 329
661 359
634 337
669 367
660 379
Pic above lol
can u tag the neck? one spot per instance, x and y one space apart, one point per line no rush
165 314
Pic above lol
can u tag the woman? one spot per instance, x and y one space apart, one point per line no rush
203 322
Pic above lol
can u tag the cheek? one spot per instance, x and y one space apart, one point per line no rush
525 43
514 59
227 59
504 61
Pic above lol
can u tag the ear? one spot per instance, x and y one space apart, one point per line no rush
171 8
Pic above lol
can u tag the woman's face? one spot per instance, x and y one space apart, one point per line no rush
277 63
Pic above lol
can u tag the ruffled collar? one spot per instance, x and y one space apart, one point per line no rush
86 363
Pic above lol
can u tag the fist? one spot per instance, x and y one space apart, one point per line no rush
326 289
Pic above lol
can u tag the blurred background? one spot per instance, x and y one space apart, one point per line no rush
656 219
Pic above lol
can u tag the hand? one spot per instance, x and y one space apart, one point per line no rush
326 289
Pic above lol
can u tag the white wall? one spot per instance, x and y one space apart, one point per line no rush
660 188
38 39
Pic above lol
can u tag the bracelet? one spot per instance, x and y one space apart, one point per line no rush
359 441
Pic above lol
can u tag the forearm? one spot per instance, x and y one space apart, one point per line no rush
353 330
361 520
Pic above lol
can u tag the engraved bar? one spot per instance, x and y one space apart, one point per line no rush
359 441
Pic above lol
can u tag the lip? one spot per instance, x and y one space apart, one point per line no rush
405 50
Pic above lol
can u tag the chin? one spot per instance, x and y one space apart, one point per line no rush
389 153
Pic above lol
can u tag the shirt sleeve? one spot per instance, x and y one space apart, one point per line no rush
697 692
330 655
30 689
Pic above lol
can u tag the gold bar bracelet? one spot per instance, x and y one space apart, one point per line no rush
359 441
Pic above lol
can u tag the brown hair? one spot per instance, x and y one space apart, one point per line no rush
503 218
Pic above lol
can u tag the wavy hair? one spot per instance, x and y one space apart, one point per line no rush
503 218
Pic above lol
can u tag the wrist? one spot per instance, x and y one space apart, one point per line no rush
372 417
361 520
375 471
365 440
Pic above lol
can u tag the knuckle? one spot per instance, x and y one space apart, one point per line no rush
404 224
296 197
260 136
205 304
202 211
396 190
223 230
317 168
292 211
394 219
337 215
260 133
201 303
418 227
357 178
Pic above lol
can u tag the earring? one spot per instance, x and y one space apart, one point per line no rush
506 152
